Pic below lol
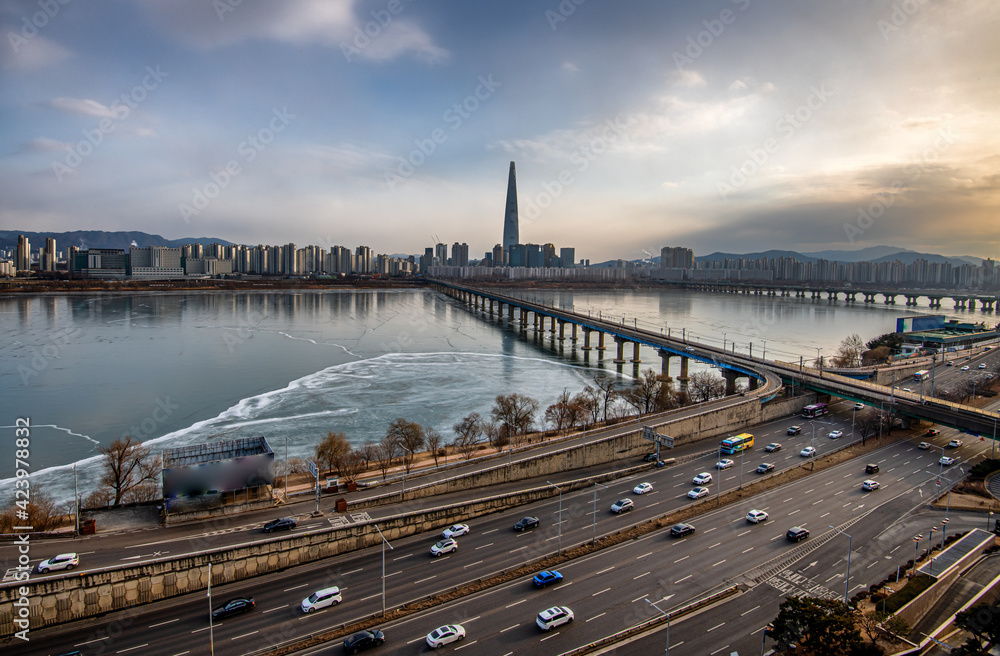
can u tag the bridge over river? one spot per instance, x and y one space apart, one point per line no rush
765 377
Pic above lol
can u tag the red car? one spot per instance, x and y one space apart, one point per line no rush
931 432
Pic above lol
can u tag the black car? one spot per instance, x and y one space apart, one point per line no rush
232 607
794 430
649 457
526 523
281 524
871 469
797 534
363 640
765 467
680 530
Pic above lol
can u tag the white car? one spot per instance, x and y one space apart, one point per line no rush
945 460
954 444
443 547
321 599
725 463
444 635
869 485
643 488
622 505
808 451
702 478
455 531
965 367
698 492
550 618
982 365
756 516
836 434
62 561
859 406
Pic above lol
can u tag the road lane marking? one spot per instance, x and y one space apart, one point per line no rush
749 611
484 546
402 557
742 534
718 650
80 644
717 626
520 601
823 515
295 588
176 619
492 530
680 559
683 579
243 636
423 580
509 628
720 562
596 616
793 512
549 636
711 529
841 492
820 501
471 564
468 644
748 550
122 651
644 555
634 578
518 549
275 608
606 569
601 592
633 601
715 545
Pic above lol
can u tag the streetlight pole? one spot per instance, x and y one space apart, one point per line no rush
742 452
594 540
560 512
723 341
384 544
286 469
819 363
76 501
916 545
211 630
930 547
850 541
763 354
666 651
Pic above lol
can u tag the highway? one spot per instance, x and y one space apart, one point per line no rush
653 567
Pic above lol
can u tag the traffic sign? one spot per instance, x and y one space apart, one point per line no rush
651 435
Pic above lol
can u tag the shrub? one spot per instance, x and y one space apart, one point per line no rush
916 585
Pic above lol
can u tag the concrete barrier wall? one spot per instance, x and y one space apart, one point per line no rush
915 610
71 597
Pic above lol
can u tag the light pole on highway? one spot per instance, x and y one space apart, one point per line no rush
286 469
850 541
819 363
930 547
560 512
763 353
211 630
723 341
384 544
916 545
666 651
742 451
596 484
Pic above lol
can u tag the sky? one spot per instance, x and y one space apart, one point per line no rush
718 125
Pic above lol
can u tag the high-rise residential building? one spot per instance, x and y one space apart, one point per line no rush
510 228
427 259
23 253
567 257
673 257
441 254
459 254
363 260
499 255
517 256
288 263
48 263
71 254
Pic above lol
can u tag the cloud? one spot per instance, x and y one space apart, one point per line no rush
920 122
29 54
331 23
686 78
83 106
738 85
43 145
570 67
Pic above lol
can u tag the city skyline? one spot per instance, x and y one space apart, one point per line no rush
738 127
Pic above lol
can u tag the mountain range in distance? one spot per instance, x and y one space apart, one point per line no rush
85 239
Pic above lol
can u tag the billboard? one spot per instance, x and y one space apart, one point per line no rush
916 324
210 469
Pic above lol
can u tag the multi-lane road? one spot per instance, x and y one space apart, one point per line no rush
607 590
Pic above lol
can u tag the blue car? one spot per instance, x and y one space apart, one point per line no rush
546 578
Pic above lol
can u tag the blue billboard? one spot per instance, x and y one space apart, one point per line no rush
916 324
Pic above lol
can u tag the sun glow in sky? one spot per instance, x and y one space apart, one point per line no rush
721 125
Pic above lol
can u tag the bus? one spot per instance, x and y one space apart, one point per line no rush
923 374
740 442
815 410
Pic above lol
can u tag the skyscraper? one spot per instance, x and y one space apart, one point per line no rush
510 234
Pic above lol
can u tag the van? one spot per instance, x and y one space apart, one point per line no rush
321 599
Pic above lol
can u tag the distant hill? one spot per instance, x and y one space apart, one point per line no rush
753 256
870 254
84 239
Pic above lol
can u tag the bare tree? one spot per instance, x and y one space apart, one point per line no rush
495 434
589 400
434 444
409 435
352 465
41 513
704 385
127 465
383 454
515 414
849 352
297 466
330 453
644 395
606 391
467 434
564 413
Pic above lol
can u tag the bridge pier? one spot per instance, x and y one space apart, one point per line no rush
586 338
911 300
959 303
730 376
850 297
890 299
972 304
620 357
753 383
635 353
562 330
600 342
573 336
524 320
683 378
869 297
988 304
831 295
664 362
935 301
510 313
